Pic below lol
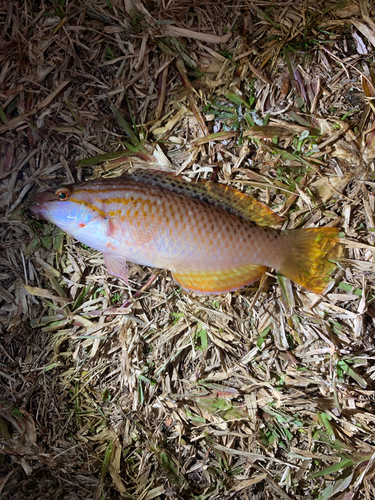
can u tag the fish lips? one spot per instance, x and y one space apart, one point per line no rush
39 206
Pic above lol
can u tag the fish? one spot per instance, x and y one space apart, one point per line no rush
211 236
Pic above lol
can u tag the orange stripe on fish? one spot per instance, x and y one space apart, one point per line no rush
89 205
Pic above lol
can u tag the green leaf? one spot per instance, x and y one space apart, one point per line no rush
263 15
56 285
249 120
346 368
81 297
127 128
236 99
88 162
324 422
17 413
285 155
332 468
194 418
177 316
50 367
147 380
105 395
218 136
345 286
222 407
202 335
140 392
263 336
342 484
168 464
106 462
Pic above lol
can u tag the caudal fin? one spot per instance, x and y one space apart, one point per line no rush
312 256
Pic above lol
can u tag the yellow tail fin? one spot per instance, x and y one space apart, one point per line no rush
312 256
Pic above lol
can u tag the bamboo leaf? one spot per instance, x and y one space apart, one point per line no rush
332 468
125 125
346 368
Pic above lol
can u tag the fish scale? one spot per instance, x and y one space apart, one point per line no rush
212 237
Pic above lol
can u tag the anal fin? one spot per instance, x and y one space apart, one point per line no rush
218 281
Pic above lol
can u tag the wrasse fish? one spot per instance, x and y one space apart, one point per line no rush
212 237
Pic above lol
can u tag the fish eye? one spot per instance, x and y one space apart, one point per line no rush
63 193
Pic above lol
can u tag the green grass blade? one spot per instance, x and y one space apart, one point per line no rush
125 125
332 468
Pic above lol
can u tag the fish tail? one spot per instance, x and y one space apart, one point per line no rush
312 256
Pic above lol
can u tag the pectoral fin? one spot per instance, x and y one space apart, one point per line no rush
117 266
218 281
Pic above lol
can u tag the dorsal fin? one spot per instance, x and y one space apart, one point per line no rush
228 198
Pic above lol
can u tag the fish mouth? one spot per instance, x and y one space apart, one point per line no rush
38 209
39 202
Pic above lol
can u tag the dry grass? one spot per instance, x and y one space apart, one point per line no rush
266 393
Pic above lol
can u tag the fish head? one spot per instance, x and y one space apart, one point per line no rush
63 207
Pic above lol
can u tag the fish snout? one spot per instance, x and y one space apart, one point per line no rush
39 202
38 209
